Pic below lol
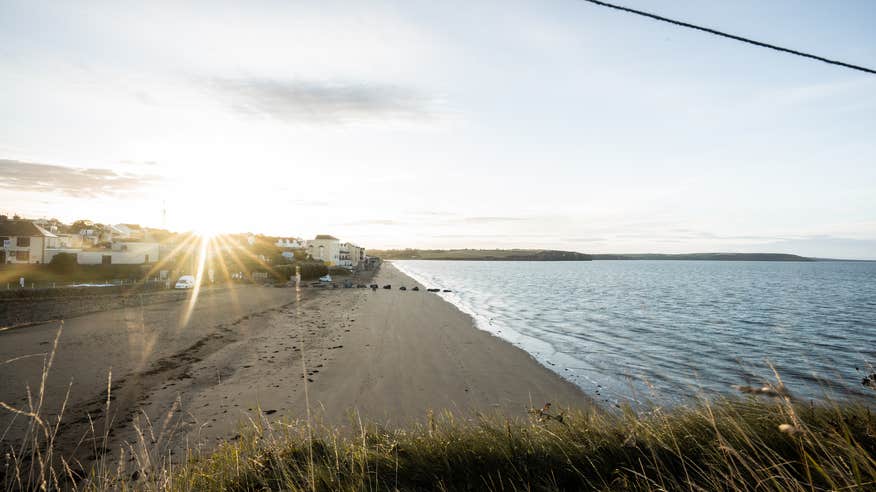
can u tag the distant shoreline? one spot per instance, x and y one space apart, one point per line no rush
707 257
556 255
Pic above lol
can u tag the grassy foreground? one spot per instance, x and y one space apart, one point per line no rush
733 445
764 441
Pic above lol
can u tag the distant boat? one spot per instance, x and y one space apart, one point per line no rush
326 278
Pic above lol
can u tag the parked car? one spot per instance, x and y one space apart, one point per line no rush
185 282
325 278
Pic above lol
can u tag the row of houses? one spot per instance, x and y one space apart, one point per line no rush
328 249
38 241
27 241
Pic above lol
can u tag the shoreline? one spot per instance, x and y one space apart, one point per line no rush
483 322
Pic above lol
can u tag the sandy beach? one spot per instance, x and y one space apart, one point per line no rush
389 356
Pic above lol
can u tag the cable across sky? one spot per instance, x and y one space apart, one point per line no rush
732 36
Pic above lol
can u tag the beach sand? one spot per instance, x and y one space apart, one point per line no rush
386 356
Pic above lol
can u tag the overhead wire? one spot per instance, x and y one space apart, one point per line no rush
732 36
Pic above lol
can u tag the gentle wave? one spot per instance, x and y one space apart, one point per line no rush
662 331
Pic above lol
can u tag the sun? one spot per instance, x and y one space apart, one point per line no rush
208 227
206 232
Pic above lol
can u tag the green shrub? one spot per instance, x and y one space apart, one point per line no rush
312 270
63 263
338 271
284 272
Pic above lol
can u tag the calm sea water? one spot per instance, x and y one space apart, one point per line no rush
664 331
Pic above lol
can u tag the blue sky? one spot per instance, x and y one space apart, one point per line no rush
448 124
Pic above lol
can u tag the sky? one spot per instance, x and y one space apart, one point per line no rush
555 124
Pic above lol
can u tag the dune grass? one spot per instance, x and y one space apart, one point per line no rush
735 444
740 444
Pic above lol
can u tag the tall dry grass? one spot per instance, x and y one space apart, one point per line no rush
738 444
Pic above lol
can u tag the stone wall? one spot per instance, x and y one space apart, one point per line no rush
19 311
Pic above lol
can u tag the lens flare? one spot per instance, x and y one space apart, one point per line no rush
199 277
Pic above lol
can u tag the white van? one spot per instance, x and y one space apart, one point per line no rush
185 282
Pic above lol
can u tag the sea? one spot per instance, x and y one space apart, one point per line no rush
666 332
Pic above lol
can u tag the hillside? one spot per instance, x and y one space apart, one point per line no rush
480 254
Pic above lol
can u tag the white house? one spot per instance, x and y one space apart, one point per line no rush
65 241
352 255
128 231
95 235
325 248
289 243
22 241
122 253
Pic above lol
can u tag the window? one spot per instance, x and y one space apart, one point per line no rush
106 260
23 242
22 255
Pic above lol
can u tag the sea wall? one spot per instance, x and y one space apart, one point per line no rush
41 306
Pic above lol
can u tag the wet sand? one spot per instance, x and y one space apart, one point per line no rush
388 356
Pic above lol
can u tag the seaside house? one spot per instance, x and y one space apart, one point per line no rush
52 225
121 253
96 234
325 248
129 231
65 241
289 247
351 256
22 241
62 243
355 254
344 256
289 243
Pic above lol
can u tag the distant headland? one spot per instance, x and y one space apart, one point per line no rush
555 255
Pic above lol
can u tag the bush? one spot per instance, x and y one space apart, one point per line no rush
338 271
63 263
312 270
283 272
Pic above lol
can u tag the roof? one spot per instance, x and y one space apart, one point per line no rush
22 228
325 236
